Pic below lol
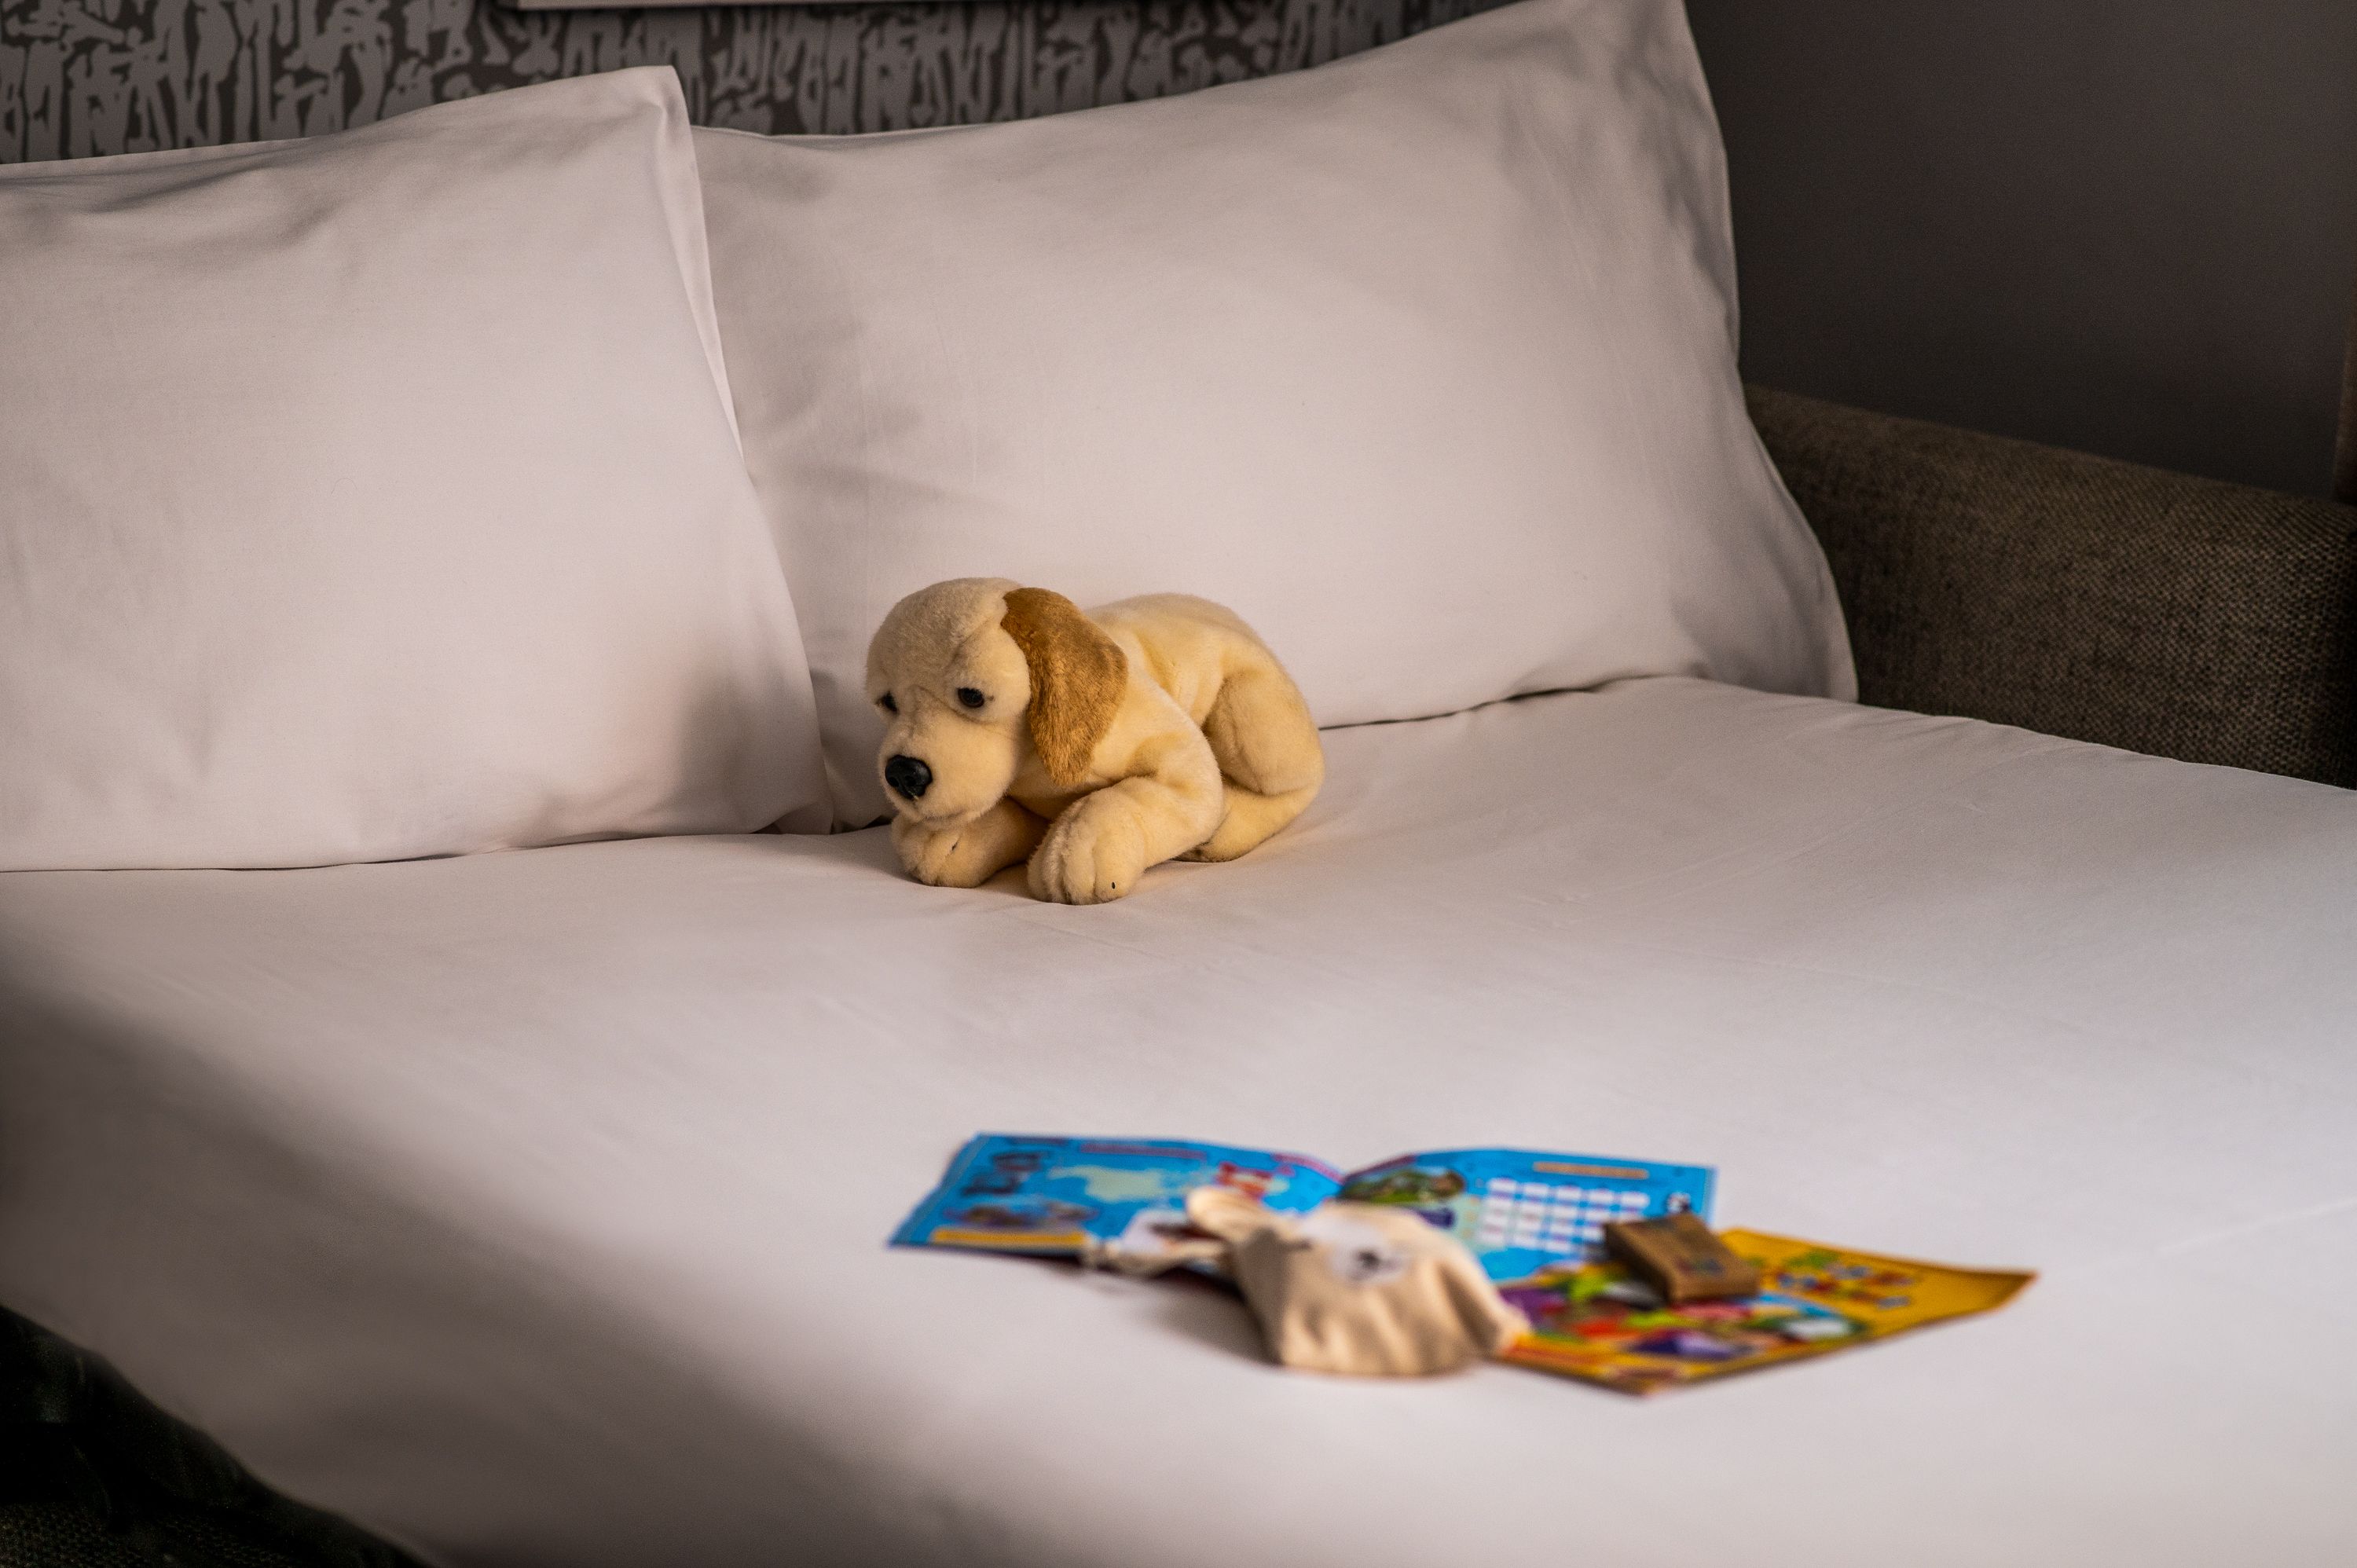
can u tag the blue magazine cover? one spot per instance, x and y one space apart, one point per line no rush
1521 1212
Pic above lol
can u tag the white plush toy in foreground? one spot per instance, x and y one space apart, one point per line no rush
1093 745
1363 1288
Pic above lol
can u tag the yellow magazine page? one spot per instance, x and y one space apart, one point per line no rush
1600 1324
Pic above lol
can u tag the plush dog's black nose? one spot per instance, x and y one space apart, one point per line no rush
908 775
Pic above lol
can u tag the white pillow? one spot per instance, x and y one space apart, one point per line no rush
378 496
1423 361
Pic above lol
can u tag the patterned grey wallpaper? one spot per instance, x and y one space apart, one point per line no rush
81 76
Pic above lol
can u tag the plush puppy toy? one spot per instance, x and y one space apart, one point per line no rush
1095 744
1370 1289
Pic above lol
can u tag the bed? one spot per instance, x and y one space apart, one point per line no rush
530 1208
418 1073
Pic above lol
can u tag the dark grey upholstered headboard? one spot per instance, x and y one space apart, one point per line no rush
84 77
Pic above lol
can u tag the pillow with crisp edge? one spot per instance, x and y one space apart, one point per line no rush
777 782
814 182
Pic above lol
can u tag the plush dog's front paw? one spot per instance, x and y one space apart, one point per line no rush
1095 852
944 856
966 853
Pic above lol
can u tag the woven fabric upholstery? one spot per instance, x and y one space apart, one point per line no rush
2080 597
60 1535
93 1476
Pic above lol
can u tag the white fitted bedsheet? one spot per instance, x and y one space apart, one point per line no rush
530 1208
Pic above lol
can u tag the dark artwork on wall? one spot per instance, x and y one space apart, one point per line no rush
84 77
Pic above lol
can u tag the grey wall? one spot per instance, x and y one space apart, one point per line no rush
2124 225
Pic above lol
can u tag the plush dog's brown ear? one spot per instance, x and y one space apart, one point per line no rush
1076 677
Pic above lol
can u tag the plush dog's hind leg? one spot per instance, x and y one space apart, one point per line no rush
1251 820
1269 756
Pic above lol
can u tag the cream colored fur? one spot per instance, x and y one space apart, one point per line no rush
1197 743
1362 1288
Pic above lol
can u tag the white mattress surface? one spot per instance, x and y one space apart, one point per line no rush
530 1208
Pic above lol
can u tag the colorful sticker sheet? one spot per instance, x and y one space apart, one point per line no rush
1599 1324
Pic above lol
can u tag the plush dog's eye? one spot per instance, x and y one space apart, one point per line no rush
969 697
887 703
